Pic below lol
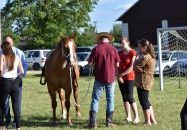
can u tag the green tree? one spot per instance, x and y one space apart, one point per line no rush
86 37
39 23
116 32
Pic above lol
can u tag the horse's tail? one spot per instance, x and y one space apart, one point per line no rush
43 82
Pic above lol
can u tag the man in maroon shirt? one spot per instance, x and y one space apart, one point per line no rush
105 58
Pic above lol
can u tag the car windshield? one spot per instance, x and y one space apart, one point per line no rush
82 57
165 55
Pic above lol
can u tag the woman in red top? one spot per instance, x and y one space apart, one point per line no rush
126 77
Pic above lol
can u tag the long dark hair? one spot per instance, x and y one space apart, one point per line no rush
149 45
9 54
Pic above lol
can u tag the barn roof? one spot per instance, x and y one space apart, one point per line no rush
120 17
153 10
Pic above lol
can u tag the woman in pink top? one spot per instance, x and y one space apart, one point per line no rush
126 79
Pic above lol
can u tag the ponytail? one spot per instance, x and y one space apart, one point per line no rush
151 50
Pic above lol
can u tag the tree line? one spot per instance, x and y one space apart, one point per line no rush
39 23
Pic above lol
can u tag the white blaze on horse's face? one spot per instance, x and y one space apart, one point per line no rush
70 44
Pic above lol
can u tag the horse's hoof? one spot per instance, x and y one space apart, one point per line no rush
78 114
64 118
70 124
64 115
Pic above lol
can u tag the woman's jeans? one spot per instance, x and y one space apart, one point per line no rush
7 107
10 87
97 92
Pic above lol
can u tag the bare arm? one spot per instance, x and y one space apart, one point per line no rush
90 63
1 64
119 78
20 66
117 66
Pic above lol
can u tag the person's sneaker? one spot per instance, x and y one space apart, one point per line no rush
127 120
91 126
136 121
7 124
13 125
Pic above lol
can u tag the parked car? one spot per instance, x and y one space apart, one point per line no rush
25 53
179 68
36 58
83 61
87 70
84 49
168 59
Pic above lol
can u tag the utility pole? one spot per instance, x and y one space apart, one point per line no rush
95 26
95 29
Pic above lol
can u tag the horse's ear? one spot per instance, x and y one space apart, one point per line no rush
74 35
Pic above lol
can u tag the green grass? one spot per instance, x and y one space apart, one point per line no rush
37 112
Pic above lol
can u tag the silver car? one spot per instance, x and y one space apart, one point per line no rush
179 68
168 60
82 60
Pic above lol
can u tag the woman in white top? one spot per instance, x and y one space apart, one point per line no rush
9 63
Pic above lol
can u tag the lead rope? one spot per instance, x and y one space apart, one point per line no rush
89 78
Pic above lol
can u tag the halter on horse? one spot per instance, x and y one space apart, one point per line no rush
57 75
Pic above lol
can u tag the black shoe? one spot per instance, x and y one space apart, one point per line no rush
7 123
109 117
91 126
92 123
13 125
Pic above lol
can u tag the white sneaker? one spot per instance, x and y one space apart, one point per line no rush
127 120
135 121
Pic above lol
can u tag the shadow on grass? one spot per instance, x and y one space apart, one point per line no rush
37 75
46 122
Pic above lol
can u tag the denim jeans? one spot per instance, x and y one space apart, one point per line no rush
97 92
7 106
11 89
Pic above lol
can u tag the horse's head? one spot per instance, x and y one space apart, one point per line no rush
68 50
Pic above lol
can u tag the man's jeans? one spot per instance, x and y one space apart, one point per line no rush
97 92
7 107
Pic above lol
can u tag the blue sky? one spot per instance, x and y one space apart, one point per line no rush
105 12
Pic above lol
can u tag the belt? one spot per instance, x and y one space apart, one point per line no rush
12 79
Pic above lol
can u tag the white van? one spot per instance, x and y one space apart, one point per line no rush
36 58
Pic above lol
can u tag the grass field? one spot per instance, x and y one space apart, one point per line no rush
37 112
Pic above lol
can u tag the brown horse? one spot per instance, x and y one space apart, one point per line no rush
57 74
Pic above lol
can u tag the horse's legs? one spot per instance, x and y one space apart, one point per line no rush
67 104
62 99
75 94
52 93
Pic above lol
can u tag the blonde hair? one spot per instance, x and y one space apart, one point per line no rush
126 39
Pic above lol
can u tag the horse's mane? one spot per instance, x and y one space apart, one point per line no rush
59 45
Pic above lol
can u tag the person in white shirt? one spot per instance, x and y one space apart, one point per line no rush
18 52
9 62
